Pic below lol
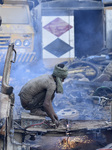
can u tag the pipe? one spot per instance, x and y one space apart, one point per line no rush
6 89
111 113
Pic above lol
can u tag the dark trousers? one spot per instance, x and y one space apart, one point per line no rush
34 103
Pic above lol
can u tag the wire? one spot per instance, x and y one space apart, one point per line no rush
34 125
37 125
43 122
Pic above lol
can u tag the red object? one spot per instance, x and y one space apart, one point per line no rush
57 27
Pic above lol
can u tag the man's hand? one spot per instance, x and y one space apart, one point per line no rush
49 110
55 120
56 117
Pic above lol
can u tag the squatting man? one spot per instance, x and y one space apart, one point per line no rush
37 94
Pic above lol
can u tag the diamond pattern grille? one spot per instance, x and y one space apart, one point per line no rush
58 47
57 27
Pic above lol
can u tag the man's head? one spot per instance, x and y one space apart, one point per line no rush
60 73
61 65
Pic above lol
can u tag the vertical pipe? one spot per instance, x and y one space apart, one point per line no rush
111 112
104 28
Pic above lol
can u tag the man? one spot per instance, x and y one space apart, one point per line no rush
37 94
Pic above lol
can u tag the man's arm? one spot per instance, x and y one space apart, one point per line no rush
48 107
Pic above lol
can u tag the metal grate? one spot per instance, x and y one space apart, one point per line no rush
4 42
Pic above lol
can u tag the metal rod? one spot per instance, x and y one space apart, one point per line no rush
111 112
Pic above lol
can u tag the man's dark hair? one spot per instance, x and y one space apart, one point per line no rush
61 65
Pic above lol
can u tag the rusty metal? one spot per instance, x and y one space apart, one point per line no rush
3 130
6 89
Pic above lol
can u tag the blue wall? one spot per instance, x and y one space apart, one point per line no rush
88 32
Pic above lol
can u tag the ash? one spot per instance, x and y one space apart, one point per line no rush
76 103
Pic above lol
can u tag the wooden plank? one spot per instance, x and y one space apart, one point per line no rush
27 119
81 125
37 129
73 125
26 116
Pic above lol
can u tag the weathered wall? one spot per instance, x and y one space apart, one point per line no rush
88 32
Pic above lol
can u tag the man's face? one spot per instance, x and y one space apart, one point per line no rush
62 80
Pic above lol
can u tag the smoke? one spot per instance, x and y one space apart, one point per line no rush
20 75
88 40
88 32
77 103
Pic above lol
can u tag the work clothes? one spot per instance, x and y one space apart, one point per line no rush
34 92
60 74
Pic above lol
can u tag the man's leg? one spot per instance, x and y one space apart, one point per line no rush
37 104
38 112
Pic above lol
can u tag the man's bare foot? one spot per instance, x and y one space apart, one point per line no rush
38 112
